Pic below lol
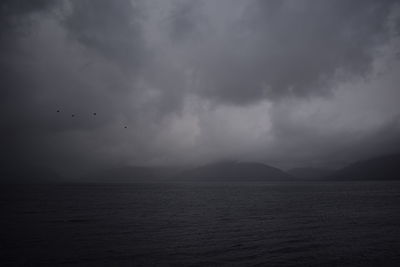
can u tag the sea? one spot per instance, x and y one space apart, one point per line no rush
201 224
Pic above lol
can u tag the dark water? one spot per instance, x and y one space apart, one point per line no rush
276 224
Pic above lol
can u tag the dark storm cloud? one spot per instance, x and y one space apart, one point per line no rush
12 13
110 28
195 81
15 18
44 70
14 21
183 21
281 48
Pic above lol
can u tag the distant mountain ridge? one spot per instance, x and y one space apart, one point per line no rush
129 174
380 168
310 173
235 171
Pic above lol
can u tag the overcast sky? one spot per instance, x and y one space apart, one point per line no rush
289 83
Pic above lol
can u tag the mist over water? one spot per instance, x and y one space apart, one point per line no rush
148 133
202 224
190 82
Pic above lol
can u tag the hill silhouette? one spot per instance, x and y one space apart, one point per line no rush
310 173
235 171
381 168
129 174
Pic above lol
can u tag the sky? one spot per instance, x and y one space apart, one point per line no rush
187 82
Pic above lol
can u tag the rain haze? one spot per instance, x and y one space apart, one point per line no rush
289 83
200 132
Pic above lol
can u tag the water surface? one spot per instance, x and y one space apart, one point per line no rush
201 224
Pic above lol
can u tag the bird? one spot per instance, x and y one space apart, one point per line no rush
58 111
72 115
94 113
126 127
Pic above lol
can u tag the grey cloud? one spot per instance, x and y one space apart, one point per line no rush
43 71
196 81
184 20
15 20
13 13
293 48
111 28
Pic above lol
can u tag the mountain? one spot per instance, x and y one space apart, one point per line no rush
310 173
382 168
235 171
130 174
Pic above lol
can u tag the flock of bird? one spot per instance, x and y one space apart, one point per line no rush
94 114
